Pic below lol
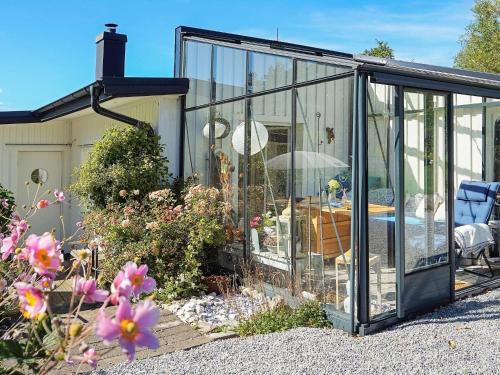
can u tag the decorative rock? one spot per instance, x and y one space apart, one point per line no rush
215 310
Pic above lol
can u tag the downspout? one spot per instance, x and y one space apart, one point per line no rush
96 91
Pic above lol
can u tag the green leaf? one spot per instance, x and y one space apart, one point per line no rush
10 349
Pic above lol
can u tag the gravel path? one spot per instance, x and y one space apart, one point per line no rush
463 338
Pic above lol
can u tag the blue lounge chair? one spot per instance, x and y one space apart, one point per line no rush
474 204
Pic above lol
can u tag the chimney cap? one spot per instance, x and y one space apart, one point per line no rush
111 27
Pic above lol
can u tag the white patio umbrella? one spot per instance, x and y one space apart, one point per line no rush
306 160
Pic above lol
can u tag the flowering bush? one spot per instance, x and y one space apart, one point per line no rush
32 336
125 163
167 232
6 208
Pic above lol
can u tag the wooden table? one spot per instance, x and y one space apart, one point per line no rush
323 237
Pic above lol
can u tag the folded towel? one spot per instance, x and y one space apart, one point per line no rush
473 237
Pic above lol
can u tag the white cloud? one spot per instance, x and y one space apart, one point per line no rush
417 32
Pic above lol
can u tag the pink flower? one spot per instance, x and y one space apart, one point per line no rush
33 304
88 289
131 328
121 287
5 203
138 279
9 245
90 357
59 196
46 282
43 203
44 253
255 222
23 255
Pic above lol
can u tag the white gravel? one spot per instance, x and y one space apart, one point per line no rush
463 338
215 310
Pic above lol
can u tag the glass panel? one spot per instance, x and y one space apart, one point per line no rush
196 145
197 67
493 139
426 242
229 171
468 138
269 185
309 70
269 71
229 72
381 197
323 190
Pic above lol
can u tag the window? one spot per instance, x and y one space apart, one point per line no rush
309 70
381 199
229 72
197 68
323 155
269 71
39 176
426 240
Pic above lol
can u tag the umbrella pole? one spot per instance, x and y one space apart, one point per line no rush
321 245
309 242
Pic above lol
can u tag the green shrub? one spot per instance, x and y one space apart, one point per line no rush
173 240
309 314
6 207
124 158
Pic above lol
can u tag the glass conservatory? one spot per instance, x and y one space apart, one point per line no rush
364 183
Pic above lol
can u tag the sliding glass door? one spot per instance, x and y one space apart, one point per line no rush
426 242
426 201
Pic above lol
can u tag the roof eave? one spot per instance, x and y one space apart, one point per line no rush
114 87
435 80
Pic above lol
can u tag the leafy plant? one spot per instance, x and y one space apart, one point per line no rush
124 159
173 239
309 314
6 208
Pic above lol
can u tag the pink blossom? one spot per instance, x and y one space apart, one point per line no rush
121 287
33 304
138 279
59 195
43 203
131 327
23 255
9 244
90 357
47 281
22 226
5 203
44 253
88 289
255 222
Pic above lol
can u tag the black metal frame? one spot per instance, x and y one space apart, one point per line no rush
405 76
247 98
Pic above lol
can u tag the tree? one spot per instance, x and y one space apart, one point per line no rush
481 41
382 50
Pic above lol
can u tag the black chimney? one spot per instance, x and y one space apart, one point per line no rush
110 53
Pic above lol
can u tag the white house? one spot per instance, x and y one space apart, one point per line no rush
50 142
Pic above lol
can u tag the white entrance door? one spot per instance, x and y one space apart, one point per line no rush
47 167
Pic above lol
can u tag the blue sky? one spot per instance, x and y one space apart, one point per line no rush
47 47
